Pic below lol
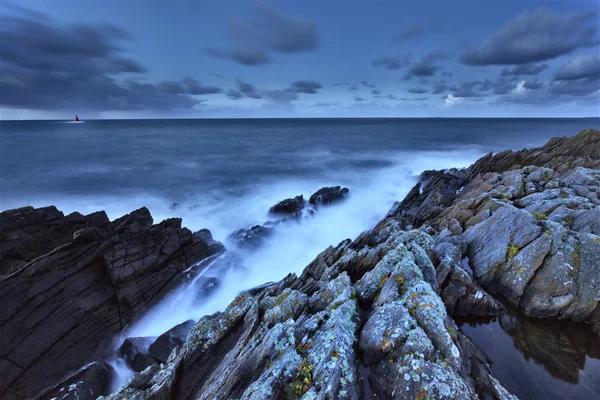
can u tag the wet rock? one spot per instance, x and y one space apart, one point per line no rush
297 338
251 238
328 195
87 383
162 347
135 353
81 291
288 206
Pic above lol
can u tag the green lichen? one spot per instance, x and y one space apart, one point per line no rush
569 221
512 251
564 194
539 216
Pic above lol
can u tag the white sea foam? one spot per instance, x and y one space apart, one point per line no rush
372 193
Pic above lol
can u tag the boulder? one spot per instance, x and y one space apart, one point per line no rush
162 347
252 237
135 353
288 206
328 195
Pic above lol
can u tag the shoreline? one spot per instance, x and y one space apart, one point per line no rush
415 254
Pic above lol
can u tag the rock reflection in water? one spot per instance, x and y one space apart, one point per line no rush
537 359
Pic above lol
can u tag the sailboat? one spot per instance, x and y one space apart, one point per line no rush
76 118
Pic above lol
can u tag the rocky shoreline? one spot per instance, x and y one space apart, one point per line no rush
370 318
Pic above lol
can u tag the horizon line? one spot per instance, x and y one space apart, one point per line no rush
259 118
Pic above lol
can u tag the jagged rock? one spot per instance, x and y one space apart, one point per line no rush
67 291
27 233
135 353
328 195
288 206
87 383
296 338
86 235
162 347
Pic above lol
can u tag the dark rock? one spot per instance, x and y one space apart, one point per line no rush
288 206
84 293
86 235
87 383
256 290
251 238
328 195
162 347
135 352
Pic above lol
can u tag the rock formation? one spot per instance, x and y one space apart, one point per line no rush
72 283
368 318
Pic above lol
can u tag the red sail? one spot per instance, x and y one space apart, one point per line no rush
76 117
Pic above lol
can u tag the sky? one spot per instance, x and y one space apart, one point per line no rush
290 58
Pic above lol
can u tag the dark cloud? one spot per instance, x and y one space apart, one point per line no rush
524 69
426 66
576 87
367 84
376 92
280 96
358 98
440 87
536 36
325 104
193 86
418 30
234 94
504 86
172 87
391 97
309 87
271 31
47 65
581 67
248 90
353 87
341 84
447 74
418 90
415 99
242 56
467 89
391 63
533 84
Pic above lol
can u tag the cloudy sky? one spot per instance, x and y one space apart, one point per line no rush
286 58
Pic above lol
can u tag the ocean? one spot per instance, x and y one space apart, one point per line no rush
225 174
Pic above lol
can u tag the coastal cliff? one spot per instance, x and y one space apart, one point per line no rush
372 317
